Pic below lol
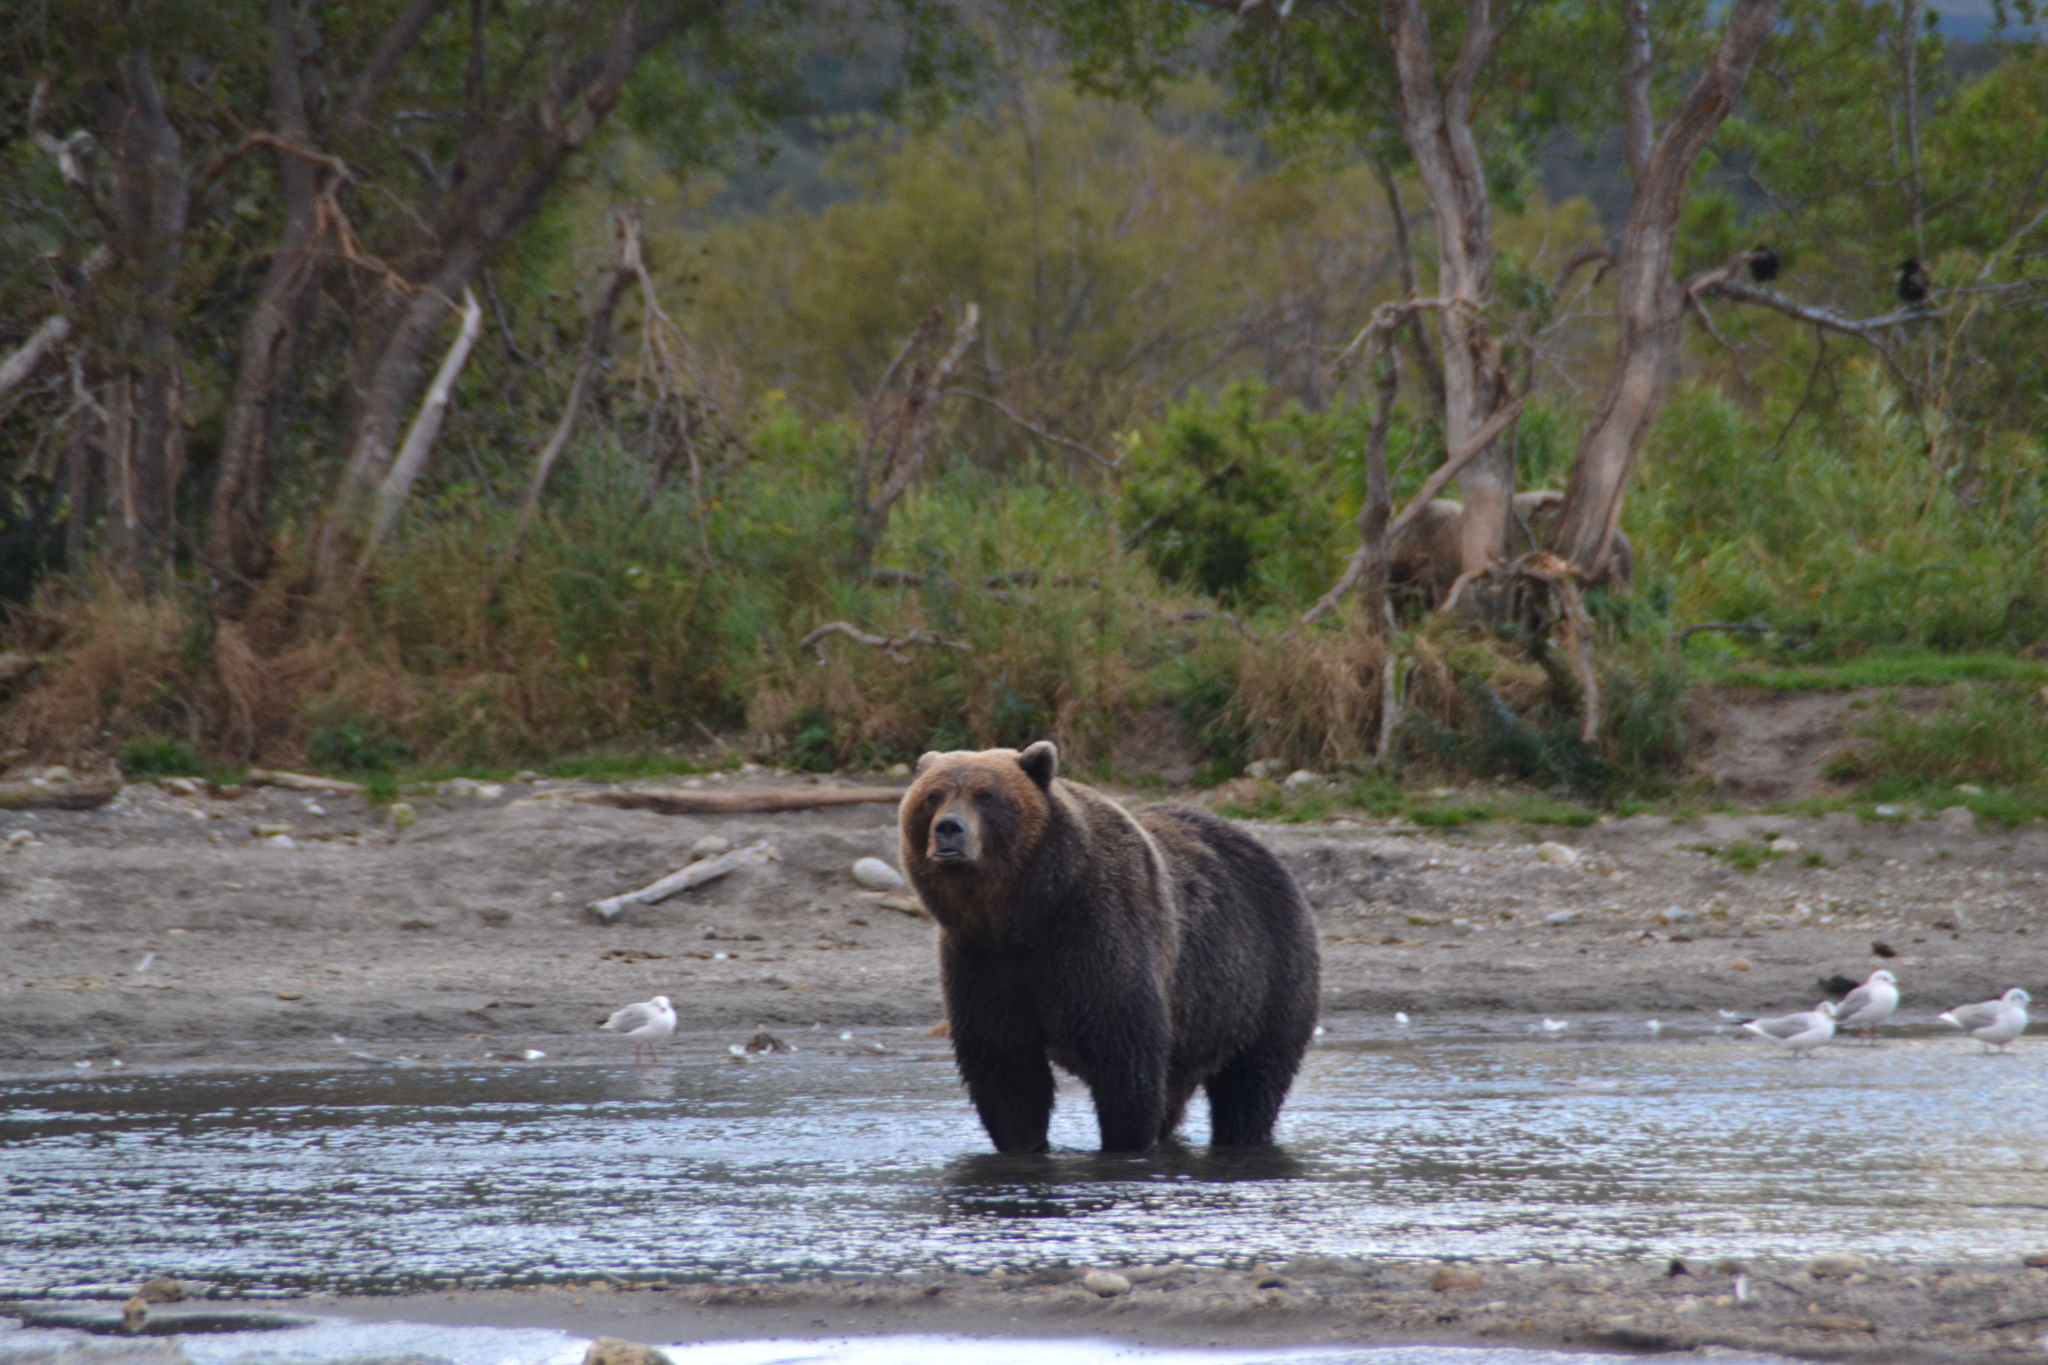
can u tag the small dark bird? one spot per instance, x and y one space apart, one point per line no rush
1914 281
1763 263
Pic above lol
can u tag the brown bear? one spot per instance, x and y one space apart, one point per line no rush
1425 554
1146 952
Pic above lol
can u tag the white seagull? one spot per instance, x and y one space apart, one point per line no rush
1993 1022
1870 1004
643 1023
1798 1034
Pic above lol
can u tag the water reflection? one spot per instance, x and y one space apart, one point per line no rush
408 1177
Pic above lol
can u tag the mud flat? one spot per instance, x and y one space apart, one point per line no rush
468 932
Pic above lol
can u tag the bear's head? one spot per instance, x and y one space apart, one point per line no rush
972 812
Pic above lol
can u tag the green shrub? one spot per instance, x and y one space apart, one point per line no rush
157 756
346 743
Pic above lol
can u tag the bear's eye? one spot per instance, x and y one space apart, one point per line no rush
932 799
984 798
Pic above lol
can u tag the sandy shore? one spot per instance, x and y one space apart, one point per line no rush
467 934
1836 1308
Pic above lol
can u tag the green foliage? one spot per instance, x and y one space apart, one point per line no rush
348 743
1994 735
1746 855
148 756
1847 543
1223 500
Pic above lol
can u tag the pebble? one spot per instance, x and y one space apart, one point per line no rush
2038 1261
1106 1283
1968 789
1783 847
1561 917
613 1351
1741 964
898 771
280 841
876 875
710 846
1958 817
1450 1277
266 831
1302 777
1836 1265
1264 769
1562 855
401 814
162 1289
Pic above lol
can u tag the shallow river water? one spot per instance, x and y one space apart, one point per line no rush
833 1159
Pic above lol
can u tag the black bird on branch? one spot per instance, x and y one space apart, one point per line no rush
1914 281
1763 263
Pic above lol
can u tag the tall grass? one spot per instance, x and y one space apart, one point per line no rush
1848 538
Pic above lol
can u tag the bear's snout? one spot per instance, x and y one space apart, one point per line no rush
952 838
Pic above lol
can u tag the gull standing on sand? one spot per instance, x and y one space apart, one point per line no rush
1993 1022
1798 1034
643 1023
1870 1004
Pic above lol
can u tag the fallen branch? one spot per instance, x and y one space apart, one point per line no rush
301 782
766 801
888 644
696 874
57 795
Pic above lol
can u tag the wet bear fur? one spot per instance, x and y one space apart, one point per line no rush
1425 556
1146 952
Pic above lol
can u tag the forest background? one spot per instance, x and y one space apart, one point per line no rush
1023 343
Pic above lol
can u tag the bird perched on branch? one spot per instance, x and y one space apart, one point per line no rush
1764 263
643 1023
1914 281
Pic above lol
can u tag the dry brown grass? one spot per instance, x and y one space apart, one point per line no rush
1312 698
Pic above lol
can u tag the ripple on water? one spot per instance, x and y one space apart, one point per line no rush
402 1178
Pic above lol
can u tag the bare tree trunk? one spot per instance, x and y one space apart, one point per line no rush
1426 359
1652 302
238 549
149 199
625 268
902 434
508 166
419 440
1437 125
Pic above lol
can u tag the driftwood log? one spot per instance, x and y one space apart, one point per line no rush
57 795
696 874
301 782
683 801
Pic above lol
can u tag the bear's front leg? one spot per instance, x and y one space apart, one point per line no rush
1123 1055
1012 1091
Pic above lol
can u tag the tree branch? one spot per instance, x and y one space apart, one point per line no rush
45 339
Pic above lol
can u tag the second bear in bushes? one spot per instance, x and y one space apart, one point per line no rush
1148 953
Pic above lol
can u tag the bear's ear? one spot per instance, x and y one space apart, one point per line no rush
929 757
1041 763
